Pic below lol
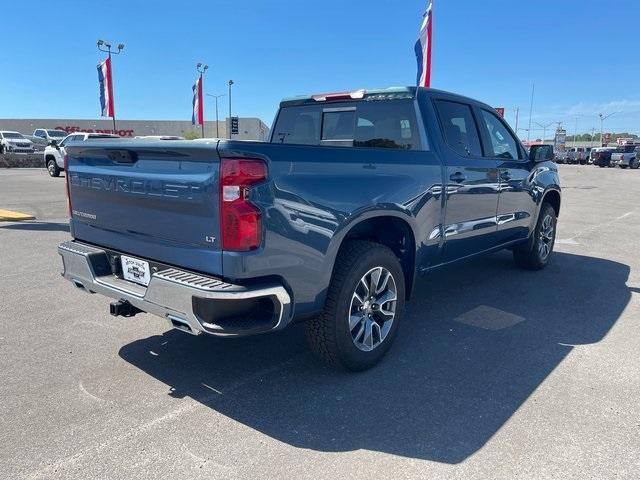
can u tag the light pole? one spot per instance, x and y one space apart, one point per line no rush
575 133
201 68
603 117
216 98
533 89
106 47
544 129
230 83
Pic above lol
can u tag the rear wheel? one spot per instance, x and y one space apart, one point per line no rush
634 164
52 168
364 306
535 254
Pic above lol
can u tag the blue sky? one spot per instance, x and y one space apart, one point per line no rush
582 55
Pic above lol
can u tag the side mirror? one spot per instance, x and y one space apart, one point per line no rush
541 153
54 143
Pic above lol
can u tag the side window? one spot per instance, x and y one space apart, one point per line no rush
503 145
387 124
459 128
38 133
298 125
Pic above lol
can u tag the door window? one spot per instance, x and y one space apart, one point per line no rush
502 143
459 128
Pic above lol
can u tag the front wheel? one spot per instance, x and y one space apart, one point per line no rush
535 254
364 306
52 168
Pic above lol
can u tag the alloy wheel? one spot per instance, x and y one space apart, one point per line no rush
373 308
546 237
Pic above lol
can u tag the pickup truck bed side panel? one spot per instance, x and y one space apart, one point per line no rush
315 195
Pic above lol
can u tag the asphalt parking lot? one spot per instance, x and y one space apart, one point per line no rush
496 373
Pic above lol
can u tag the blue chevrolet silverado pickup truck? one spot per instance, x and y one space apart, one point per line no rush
331 222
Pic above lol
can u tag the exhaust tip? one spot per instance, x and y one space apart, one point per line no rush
182 324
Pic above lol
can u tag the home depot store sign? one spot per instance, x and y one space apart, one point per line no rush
73 128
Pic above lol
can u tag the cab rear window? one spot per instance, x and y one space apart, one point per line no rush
365 124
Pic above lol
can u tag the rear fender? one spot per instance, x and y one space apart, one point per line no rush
347 226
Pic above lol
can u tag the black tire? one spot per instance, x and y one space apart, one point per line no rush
330 335
532 255
623 167
52 168
634 165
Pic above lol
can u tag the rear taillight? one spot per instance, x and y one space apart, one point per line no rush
239 219
67 180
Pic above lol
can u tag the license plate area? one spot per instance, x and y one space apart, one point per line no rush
135 270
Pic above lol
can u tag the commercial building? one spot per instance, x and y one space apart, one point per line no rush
248 128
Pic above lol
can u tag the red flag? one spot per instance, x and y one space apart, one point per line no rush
106 88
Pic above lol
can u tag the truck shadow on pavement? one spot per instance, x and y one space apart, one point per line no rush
38 226
477 341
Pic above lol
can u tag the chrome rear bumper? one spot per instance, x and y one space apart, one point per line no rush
188 301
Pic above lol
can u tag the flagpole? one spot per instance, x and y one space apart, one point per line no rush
201 68
113 113
202 100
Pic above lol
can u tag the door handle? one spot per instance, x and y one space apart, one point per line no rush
457 177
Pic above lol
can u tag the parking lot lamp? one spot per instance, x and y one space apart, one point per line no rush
230 83
603 117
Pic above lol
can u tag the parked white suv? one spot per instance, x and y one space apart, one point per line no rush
54 153
14 142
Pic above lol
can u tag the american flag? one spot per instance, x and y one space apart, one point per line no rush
423 48
197 116
106 88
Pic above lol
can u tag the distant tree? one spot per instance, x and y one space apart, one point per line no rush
191 135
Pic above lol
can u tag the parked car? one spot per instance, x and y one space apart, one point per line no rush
561 156
332 221
15 142
592 155
54 153
626 156
48 135
577 155
602 156
39 144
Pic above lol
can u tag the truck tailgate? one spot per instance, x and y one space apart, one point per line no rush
157 200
